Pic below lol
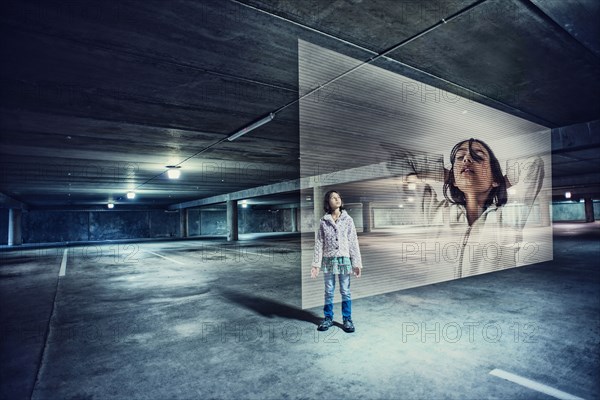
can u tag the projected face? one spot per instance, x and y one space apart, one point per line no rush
476 178
472 170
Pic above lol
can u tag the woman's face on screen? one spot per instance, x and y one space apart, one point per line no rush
472 170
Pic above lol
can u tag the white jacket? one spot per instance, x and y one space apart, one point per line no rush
337 240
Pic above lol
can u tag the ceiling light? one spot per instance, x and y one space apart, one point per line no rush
567 195
244 204
173 172
251 127
412 186
512 191
131 195
111 205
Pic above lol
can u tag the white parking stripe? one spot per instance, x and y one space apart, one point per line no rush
528 383
166 258
63 264
236 250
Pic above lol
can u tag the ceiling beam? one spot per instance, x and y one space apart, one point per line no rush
9 202
358 174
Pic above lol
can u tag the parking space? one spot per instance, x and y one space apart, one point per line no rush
212 319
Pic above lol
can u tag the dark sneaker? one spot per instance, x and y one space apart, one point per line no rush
325 324
348 325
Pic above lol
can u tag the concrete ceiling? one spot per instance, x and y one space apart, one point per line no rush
99 96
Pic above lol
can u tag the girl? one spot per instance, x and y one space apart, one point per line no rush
337 253
475 192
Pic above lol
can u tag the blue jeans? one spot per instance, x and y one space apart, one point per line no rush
344 291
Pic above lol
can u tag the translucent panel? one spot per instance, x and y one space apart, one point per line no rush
383 141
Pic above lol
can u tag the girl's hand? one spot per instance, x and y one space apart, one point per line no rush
357 272
314 272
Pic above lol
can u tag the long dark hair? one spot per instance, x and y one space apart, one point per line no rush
497 195
326 207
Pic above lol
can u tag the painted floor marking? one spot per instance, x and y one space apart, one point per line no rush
238 249
528 383
63 264
166 258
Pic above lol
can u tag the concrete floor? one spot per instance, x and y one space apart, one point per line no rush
209 319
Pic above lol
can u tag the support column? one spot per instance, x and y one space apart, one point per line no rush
589 209
318 194
183 222
232 220
199 233
294 219
366 216
14 227
545 218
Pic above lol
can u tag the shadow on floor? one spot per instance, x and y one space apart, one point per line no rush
268 307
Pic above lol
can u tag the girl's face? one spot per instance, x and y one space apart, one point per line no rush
473 176
335 201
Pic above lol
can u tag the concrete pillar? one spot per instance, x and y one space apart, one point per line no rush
318 194
199 222
589 209
14 227
232 220
545 218
366 216
183 222
294 217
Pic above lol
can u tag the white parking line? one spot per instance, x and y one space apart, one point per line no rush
237 250
63 264
528 383
166 258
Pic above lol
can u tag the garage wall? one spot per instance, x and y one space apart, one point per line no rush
573 211
250 220
73 226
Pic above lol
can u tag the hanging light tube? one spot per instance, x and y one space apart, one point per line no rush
251 127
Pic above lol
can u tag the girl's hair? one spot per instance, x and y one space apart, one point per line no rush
326 206
497 195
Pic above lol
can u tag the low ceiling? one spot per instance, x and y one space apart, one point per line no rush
99 96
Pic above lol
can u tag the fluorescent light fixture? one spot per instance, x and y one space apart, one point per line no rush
251 127
110 205
131 195
173 172
567 195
